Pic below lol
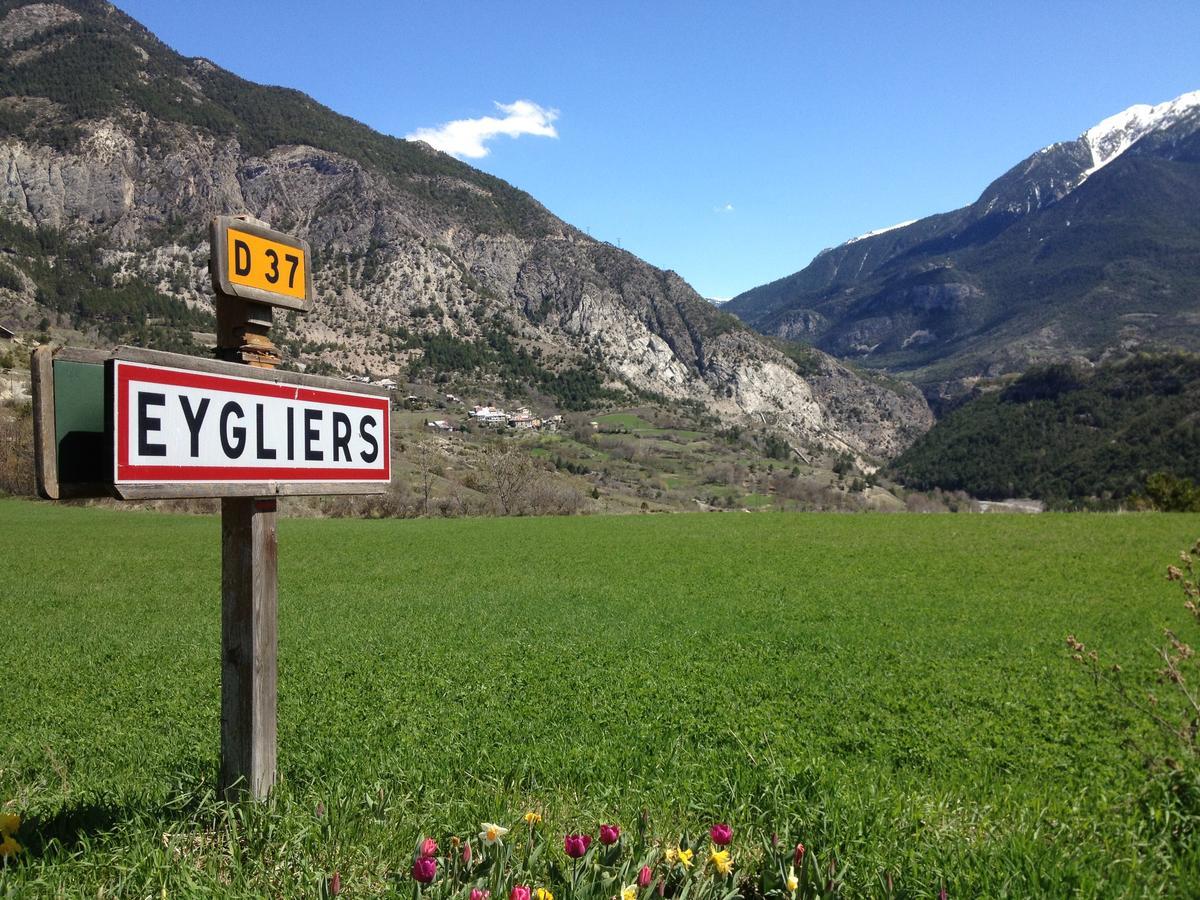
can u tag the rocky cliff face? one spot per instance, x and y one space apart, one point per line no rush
406 240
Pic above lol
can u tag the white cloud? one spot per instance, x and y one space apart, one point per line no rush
468 137
727 208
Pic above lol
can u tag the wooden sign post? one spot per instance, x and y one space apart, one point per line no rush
139 424
249 551
246 434
249 641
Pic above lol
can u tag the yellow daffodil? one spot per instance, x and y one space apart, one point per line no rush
542 894
492 833
685 858
720 860
533 818
629 892
792 881
671 855
9 846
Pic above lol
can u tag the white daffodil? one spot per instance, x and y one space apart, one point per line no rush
492 833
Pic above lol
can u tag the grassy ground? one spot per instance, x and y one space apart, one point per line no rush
892 690
647 458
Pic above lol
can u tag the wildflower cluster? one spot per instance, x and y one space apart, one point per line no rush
523 863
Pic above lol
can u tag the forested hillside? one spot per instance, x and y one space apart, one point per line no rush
1067 432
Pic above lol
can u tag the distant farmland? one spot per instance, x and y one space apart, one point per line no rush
891 690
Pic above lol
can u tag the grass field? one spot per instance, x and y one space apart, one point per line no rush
891 690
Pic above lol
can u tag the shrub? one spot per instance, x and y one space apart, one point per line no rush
1171 796
16 450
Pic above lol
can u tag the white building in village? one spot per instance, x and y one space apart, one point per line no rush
521 419
488 415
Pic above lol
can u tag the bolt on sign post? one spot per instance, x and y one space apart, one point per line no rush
137 424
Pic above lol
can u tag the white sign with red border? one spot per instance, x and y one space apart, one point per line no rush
184 426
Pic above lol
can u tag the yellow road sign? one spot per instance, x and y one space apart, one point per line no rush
256 263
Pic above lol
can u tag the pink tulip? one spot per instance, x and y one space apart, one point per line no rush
576 844
610 834
519 892
466 857
721 834
424 869
429 847
798 856
644 877
335 884
479 894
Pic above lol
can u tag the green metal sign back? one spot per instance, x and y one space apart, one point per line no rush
79 421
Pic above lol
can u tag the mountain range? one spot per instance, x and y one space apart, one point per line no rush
117 152
1084 249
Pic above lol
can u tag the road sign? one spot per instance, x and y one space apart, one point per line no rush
252 262
191 427
144 424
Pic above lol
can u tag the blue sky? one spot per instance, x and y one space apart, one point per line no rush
729 142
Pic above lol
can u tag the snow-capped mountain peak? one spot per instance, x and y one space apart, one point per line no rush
1110 138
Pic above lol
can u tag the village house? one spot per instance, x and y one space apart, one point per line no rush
489 415
521 419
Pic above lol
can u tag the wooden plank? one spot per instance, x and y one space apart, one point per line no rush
249 609
83 355
45 445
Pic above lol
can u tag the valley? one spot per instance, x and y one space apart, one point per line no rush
512 539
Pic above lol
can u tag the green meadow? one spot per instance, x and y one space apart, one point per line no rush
892 690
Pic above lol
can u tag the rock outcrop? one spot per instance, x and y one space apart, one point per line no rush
405 239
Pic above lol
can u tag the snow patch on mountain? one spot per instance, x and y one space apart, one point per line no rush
1110 138
863 237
